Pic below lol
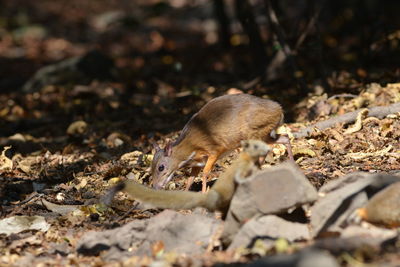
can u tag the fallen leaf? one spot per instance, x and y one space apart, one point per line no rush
16 224
358 124
5 163
77 128
304 151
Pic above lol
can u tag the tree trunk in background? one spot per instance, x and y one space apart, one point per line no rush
223 21
246 17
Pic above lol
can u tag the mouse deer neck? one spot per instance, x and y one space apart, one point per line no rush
183 152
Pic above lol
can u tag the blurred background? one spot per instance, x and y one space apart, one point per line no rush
145 67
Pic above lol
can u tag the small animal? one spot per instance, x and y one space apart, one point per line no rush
216 129
217 198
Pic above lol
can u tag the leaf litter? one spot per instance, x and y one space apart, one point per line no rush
79 159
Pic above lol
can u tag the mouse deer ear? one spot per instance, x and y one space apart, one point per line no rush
168 149
156 147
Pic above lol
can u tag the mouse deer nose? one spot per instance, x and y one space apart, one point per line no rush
157 186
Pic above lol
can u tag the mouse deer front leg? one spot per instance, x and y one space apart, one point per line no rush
206 171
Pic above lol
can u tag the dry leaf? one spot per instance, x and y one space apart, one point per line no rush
5 163
304 151
358 124
77 128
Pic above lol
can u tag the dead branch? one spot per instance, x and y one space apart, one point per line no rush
378 112
244 13
223 22
287 52
310 25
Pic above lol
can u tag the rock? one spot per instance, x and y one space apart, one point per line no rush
348 208
270 191
184 234
304 258
355 236
270 227
336 195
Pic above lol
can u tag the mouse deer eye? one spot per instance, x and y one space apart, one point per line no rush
160 168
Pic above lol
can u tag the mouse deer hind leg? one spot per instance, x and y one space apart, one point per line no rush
284 140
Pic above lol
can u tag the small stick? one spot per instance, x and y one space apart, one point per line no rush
379 112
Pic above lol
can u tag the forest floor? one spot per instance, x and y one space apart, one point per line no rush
163 72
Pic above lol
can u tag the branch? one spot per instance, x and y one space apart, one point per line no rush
311 23
277 29
379 112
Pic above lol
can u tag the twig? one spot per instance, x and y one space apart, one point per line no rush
277 29
223 21
379 112
123 216
245 15
310 24
342 95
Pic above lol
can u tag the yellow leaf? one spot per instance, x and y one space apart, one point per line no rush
304 151
114 180
282 245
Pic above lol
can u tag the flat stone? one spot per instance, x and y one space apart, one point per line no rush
270 191
355 236
183 234
304 258
269 227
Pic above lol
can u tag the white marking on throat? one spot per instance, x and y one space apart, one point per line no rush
186 161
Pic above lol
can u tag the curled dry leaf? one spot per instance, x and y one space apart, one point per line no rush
380 153
131 157
304 151
82 184
77 128
279 150
386 128
5 163
358 124
335 134
25 164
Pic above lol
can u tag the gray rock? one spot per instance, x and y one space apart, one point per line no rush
336 196
184 234
269 227
268 192
347 210
304 258
355 236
